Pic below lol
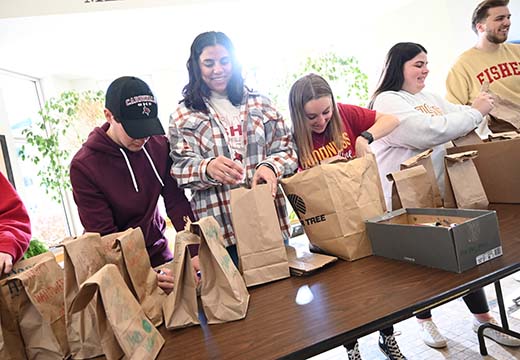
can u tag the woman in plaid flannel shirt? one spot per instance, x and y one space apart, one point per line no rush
223 134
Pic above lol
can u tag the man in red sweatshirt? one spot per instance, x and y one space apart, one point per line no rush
15 227
123 167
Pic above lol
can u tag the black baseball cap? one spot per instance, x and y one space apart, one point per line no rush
133 104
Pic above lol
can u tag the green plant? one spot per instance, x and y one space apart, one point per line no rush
36 247
60 130
344 75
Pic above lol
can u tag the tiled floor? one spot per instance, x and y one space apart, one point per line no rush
455 322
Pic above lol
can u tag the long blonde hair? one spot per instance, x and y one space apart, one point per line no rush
305 89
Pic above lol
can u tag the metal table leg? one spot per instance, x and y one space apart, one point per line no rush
503 318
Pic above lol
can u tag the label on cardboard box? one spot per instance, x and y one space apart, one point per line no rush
489 255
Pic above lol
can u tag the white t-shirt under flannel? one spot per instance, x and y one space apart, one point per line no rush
229 116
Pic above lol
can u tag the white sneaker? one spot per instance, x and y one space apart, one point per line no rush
431 335
497 336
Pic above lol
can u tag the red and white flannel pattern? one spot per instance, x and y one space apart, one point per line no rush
196 138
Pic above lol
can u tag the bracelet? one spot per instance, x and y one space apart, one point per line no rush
368 136
208 175
270 166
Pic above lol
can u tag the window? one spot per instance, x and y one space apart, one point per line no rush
22 99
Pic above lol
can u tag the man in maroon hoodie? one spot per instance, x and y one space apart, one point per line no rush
15 227
123 167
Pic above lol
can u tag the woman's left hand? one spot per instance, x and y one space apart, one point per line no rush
165 280
362 147
264 174
196 268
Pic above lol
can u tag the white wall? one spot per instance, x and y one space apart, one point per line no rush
22 8
86 49
276 41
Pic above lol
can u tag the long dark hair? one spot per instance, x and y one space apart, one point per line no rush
392 77
196 90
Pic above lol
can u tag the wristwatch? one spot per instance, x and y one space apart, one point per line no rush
368 136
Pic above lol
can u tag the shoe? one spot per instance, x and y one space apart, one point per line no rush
497 336
431 335
389 347
353 354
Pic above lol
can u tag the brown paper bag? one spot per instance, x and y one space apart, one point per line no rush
425 160
40 310
470 138
82 258
497 167
463 185
260 246
224 295
503 136
180 308
306 263
137 272
505 115
498 125
123 326
333 201
411 188
10 296
112 253
3 347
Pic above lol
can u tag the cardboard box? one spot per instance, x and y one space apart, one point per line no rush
449 239
497 166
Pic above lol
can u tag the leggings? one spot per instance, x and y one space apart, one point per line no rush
475 301
386 331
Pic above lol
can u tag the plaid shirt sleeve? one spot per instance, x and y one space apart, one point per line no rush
281 153
188 132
